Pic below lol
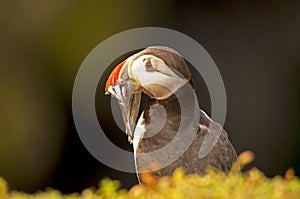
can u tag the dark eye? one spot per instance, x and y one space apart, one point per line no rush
148 65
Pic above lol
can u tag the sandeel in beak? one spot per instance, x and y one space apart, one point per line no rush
124 90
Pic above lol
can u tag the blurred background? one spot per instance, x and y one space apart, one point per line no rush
255 44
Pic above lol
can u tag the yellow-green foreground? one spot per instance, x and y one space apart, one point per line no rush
252 184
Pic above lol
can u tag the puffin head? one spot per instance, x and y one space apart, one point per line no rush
157 71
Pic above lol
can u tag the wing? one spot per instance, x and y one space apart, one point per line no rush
222 154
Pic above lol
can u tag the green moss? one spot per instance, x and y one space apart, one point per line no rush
215 184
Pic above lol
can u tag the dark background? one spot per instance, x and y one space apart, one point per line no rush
255 44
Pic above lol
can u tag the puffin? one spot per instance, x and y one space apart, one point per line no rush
170 131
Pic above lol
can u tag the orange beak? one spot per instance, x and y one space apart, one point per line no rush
113 77
124 91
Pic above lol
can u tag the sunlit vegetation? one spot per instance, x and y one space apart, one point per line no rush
215 184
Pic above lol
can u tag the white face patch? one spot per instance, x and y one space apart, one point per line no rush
160 81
